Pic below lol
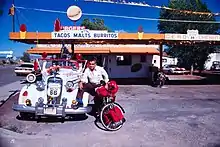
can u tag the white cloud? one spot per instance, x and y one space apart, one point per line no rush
120 31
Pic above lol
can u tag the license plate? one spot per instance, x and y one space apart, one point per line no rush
50 111
53 90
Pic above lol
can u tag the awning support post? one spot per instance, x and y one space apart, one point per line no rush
161 56
72 49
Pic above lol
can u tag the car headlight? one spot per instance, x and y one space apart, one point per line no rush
69 84
31 78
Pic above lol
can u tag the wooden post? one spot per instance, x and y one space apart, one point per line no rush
13 17
161 56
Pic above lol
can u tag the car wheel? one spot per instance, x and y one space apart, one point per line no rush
62 119
17 74
38 118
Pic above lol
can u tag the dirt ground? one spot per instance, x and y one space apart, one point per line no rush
183 116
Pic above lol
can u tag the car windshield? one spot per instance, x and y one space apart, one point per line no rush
26 65
60 63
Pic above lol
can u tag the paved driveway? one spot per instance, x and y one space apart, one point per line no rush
177 116
7 75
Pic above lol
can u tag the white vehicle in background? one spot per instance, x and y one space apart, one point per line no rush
24 69
215 66
52 90
173 69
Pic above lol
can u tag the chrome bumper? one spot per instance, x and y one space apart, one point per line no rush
59 110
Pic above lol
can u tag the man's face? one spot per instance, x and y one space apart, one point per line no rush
92 65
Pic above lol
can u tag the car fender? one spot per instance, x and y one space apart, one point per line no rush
32 94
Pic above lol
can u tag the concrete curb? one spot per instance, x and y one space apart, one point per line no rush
9 90
13 135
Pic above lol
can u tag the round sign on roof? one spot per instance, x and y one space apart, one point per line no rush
74 13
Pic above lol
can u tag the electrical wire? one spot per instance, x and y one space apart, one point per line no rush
144 4
25 19
18 22
125 17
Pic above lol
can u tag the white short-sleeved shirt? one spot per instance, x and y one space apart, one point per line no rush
95 76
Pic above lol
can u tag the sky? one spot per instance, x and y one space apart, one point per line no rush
44 21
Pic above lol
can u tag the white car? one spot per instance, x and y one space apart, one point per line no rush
173 69
24 69
215 66
54 94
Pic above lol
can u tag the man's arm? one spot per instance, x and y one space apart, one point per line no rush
104 73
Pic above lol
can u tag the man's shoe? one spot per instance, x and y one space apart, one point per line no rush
80 102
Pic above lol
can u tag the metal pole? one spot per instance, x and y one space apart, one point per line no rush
161 56
72 48
13 17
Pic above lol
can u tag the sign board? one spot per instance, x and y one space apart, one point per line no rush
192 35
84 34
52 45
6 52
74 13
95 45
72 27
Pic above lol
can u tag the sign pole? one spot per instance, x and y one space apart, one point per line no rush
72 44
13 17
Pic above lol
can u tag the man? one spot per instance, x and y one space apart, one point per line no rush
91 80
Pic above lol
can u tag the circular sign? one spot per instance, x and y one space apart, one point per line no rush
74 13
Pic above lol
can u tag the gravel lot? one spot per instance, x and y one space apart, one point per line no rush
183 116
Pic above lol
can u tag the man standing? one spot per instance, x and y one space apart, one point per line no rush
91 80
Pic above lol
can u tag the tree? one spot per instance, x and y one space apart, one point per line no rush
188 55
95 24
1 12
26 57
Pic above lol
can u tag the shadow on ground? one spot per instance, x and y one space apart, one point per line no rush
213 145
79 117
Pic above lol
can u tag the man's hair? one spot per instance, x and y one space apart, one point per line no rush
92 59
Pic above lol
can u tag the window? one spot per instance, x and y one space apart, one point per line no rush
142 58
123 60
164 60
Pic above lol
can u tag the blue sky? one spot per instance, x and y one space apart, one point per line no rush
43 21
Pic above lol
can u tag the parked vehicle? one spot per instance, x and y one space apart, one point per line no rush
215 65
24 69
111 113
53 91
173 69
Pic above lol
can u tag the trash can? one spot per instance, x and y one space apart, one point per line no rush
152 70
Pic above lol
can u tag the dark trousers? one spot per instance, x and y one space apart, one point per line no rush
90 88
